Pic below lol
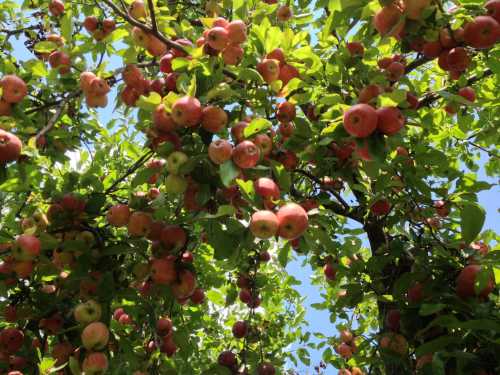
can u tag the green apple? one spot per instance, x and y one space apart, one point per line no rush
175 161
87 312
175 184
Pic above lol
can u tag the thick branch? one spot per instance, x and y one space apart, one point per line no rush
130 170
416 63
53 120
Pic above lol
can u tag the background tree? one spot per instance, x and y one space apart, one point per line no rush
152 236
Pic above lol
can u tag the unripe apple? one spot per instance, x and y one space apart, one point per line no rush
269 69
56 8
95 364
220 151
482 33
14 89
187 111
175 161
264 224
139 224
10 147
175 184
390 120
214 119
95 336
360 120
246 155
389 21
217 38
87 312
137 9
293 221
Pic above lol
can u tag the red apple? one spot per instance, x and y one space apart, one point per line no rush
360 120
137 9
232 54
185 284
286 112
345 350
10 147
287 73
14 89
264 224
95 363
355 49
458 59
217 38
330 271
163 271
395 71
173 238
187 111
240 329
381 207
415 293
227 359
466 280
267 188
467 93
414 8
166 63
27 247
164 326
198 296
237 31
346 336
264 143
56 8
11 340
95 336
246 155
483 32
389 20
432 49
493 8
392 319
162 120
139 224
214 119
368 94
266 368
390 120
293 221
269 69
284 13
277 54
118 215
220 151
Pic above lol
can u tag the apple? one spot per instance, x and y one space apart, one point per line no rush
237 31
187 111
264 224
166 63
61 61
483 32
162 120
163 271
392 319
415 293
394 342
132 76
220 151
91 23
381 207
168 346
286 112
27 247
96 101
266 188
480 247
423 360
286 129
289 159
214 119
355 49
173 238
61 352
264 143
155 46
98 87
232 54
118 215
240 329
108 25
95 336
360 120
10 147
390 120
384 62
344 350
164 326
217 38
246 155
158 85
5 108
175 184
441 208
198 296
175 161
137 9
448 40
95 364
11 340
344 371
389 20
466 280
493 8
287 73
220 22
56 8
185 284
414 8
277 54
237 131
227 359
284 13
293 221
14 89
458 59
330 271
368 94
23 269
86 79
395 71
87 312
139 224
266 368
467 93
346 336
412 100
432 49
140 37
269 69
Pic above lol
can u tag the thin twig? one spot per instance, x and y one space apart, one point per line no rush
152 15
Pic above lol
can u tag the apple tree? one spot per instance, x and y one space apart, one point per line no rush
162 162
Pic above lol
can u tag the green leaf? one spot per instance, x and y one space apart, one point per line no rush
472 218
435 345
45 46
228 172
224 210
67 26
150 102
256 126
284 253
431 308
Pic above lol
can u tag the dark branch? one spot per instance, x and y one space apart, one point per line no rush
154 25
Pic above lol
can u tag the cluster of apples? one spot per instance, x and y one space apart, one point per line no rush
97 28
225 38
14 90
347 346
95 89
274 67
11 343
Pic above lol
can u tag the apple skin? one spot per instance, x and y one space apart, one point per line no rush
346 336
11 340
394 342
164 326
458 59
118 215
162 120
87 312
86 79
139 224
286 112
98 87
465 283
386 20
287 73
175 161
264 224
482 33
277 54
493 8
395 71
10 147
381 207
467 93
198 296
163 271
360 120
237 131
267 188
293 221
390 120
95 364
237 32
227 359
27 247
355 49
368 94
269 69
264 143
175 184
185 285
240 329
168 346
246 155
90 23
345 350
232 54
220 151
414 8
284 13
432 49
266 368
217 38
14 88
187 111
137 9
95 336
56 8
132 76
214 119
173 237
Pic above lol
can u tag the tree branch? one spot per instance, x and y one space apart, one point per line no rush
154 25
130 170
